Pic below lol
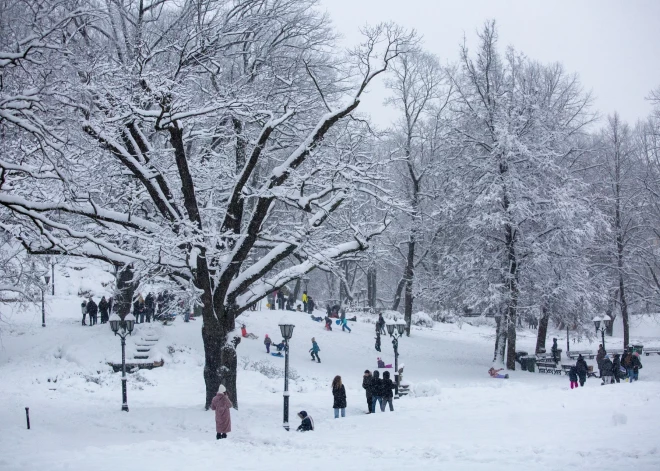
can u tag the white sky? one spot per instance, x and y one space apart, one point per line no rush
614 45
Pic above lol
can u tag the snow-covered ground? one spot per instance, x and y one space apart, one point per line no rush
457 417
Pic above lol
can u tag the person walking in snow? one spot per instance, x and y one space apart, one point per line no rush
607 372
149 306
376 391
636 366
573 377
328 323
366 385
221 405
616 367
599 359
626 362
380 324
581 369
344 323
267 342
310 305
315 350
280 300
83 309
103 309
305 298
555 351
307 424
138 309
93 311
388 395
339 395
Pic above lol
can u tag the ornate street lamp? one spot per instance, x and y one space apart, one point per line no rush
601 324
43 304
305 279
286 331
126 326
396 330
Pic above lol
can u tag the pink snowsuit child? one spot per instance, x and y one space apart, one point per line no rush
221 405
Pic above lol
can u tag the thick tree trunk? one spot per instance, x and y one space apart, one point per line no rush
512 288
125 286
498 323
624 313
543 329
501 342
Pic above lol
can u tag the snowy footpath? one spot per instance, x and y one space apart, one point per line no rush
456 418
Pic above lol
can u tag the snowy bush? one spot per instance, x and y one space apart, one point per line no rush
422 319
269 370
425 389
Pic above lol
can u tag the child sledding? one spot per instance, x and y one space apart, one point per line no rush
381 363
244 333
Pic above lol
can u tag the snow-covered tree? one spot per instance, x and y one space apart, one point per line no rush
176 135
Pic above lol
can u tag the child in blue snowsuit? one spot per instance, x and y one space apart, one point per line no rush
315 350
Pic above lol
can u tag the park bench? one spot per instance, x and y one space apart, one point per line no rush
585 354
546 366
648 351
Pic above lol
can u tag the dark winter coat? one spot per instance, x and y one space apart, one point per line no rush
103 307
616 366
310 305
366 384
221 405
606 367
573 374
582 368
388 387
340 397
599 358
137 307
636 363
92 308
149 303
307 423
626 361
376 386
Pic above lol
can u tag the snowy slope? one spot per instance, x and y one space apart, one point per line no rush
458 418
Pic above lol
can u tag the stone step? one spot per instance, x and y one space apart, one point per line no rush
141 357
143 349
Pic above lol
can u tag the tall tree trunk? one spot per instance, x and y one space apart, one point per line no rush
408 275
512 288
502 335
397 294
543 329
296 290
498 324
125 287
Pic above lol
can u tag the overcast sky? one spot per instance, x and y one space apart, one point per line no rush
614 45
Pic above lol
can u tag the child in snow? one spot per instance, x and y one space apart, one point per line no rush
317 319
245 334
344 324
221 405
381 363
573 377
307 424
315 350
495 373
339 394
328 323
607 370
83 308
267 342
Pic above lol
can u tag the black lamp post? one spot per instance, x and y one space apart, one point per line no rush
126 327
287 332
396 334
601 324
43 304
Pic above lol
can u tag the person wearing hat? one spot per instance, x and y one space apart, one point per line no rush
307 424
366 384
607 370
267 342
582 370
221 405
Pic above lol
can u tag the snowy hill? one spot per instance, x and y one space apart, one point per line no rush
456 417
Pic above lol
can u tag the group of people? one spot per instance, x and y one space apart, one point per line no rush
285 300
618 367
91 309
